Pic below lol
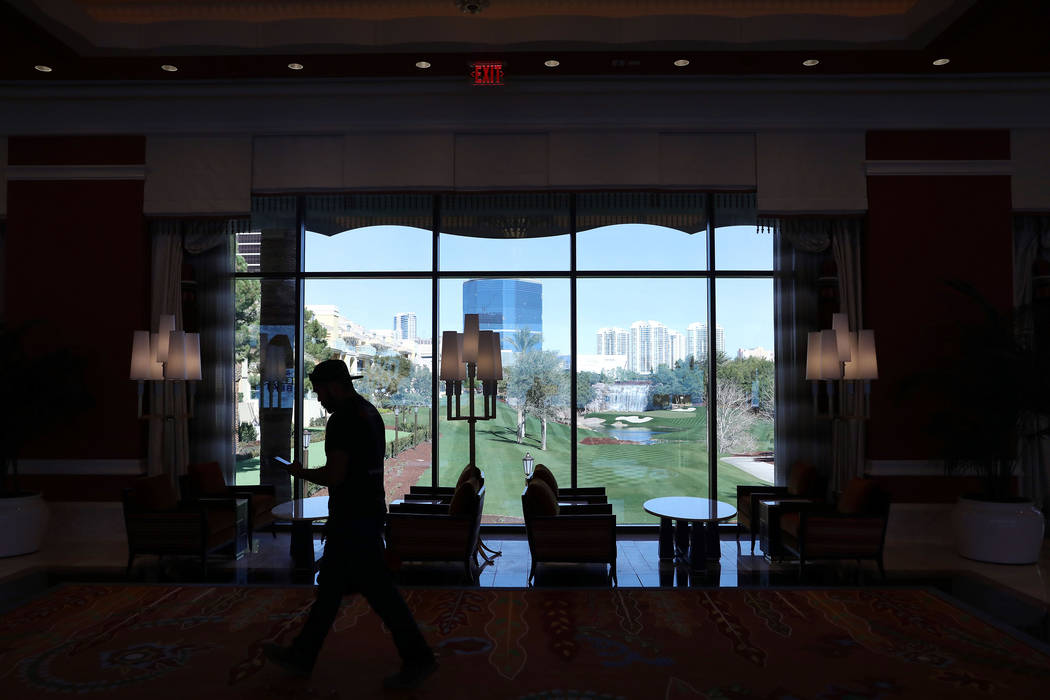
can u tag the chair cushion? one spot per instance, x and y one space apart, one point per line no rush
859 496
539 499
803 479
465 499
469 472
208 479
545 475
155 493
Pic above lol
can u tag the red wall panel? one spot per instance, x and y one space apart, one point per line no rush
946 144
923 231
78 263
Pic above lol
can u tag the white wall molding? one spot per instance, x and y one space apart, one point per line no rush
939 167
76 172
93 467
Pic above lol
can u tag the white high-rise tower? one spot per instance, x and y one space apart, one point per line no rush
649 346
405 326
612 341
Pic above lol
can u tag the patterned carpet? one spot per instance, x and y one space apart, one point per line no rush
191 642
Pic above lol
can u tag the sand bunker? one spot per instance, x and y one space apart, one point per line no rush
691 408
635 419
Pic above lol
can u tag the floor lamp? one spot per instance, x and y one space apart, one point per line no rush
166 356
471 356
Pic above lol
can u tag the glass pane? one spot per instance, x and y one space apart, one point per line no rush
745 396
504 232
641 231
264 353
271 243
369 233
740 244
640 390
381 329
532 406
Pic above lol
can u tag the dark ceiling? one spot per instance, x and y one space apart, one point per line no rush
131 39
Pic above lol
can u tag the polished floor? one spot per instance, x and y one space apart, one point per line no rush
86 542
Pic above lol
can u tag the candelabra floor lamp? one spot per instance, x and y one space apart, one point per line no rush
471 356
166 356
843 359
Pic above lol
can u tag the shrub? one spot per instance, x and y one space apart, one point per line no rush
246 432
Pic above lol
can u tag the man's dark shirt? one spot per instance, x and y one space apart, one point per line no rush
356 428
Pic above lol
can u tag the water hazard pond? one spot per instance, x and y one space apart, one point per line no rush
615 436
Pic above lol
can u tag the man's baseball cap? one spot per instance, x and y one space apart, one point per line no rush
332 371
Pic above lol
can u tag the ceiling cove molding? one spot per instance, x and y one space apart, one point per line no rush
76 172
341 106
939 167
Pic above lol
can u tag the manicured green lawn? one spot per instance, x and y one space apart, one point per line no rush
631 474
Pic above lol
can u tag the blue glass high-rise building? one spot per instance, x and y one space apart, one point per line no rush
506 306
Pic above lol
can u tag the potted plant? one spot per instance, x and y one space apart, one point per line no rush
39 386
993 397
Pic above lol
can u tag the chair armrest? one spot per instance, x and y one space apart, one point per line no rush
417 497
411 507
582 490
260 489
585 509
569 496
442 490
217 502
801 505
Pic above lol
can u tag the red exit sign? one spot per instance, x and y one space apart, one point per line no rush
487 73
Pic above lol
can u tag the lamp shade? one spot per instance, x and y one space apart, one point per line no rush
175 367
813 355
156 367
471 337
451 363
193 357
165 326
869 366
497 347
849 370
840 324
829 356
486 357
140 355
274 369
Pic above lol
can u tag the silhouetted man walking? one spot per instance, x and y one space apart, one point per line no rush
353 559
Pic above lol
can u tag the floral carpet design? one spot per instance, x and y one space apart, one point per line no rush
200 641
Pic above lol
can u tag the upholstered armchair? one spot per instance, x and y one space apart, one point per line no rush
582 494
205 480
852 528
158 523
582 533
417 493
438 531
804 483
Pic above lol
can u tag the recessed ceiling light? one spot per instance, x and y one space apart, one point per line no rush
169 68
810 62
422 64
43 69
295 66
551 63
682 62
942 61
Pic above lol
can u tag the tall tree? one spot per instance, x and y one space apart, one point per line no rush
315 346
538 383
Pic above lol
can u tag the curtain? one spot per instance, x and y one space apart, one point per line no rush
799 435
848 441
209 248
175 439
804 241
1032 250
168 436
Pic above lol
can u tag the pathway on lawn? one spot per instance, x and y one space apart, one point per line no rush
760 470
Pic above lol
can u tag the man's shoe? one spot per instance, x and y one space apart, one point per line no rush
411 675
286 658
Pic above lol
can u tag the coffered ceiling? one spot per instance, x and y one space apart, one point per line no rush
224 39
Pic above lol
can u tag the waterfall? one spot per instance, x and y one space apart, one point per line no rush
628 396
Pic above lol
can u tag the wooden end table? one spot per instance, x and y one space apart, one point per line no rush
302 512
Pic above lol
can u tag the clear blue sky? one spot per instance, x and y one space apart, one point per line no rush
745 307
